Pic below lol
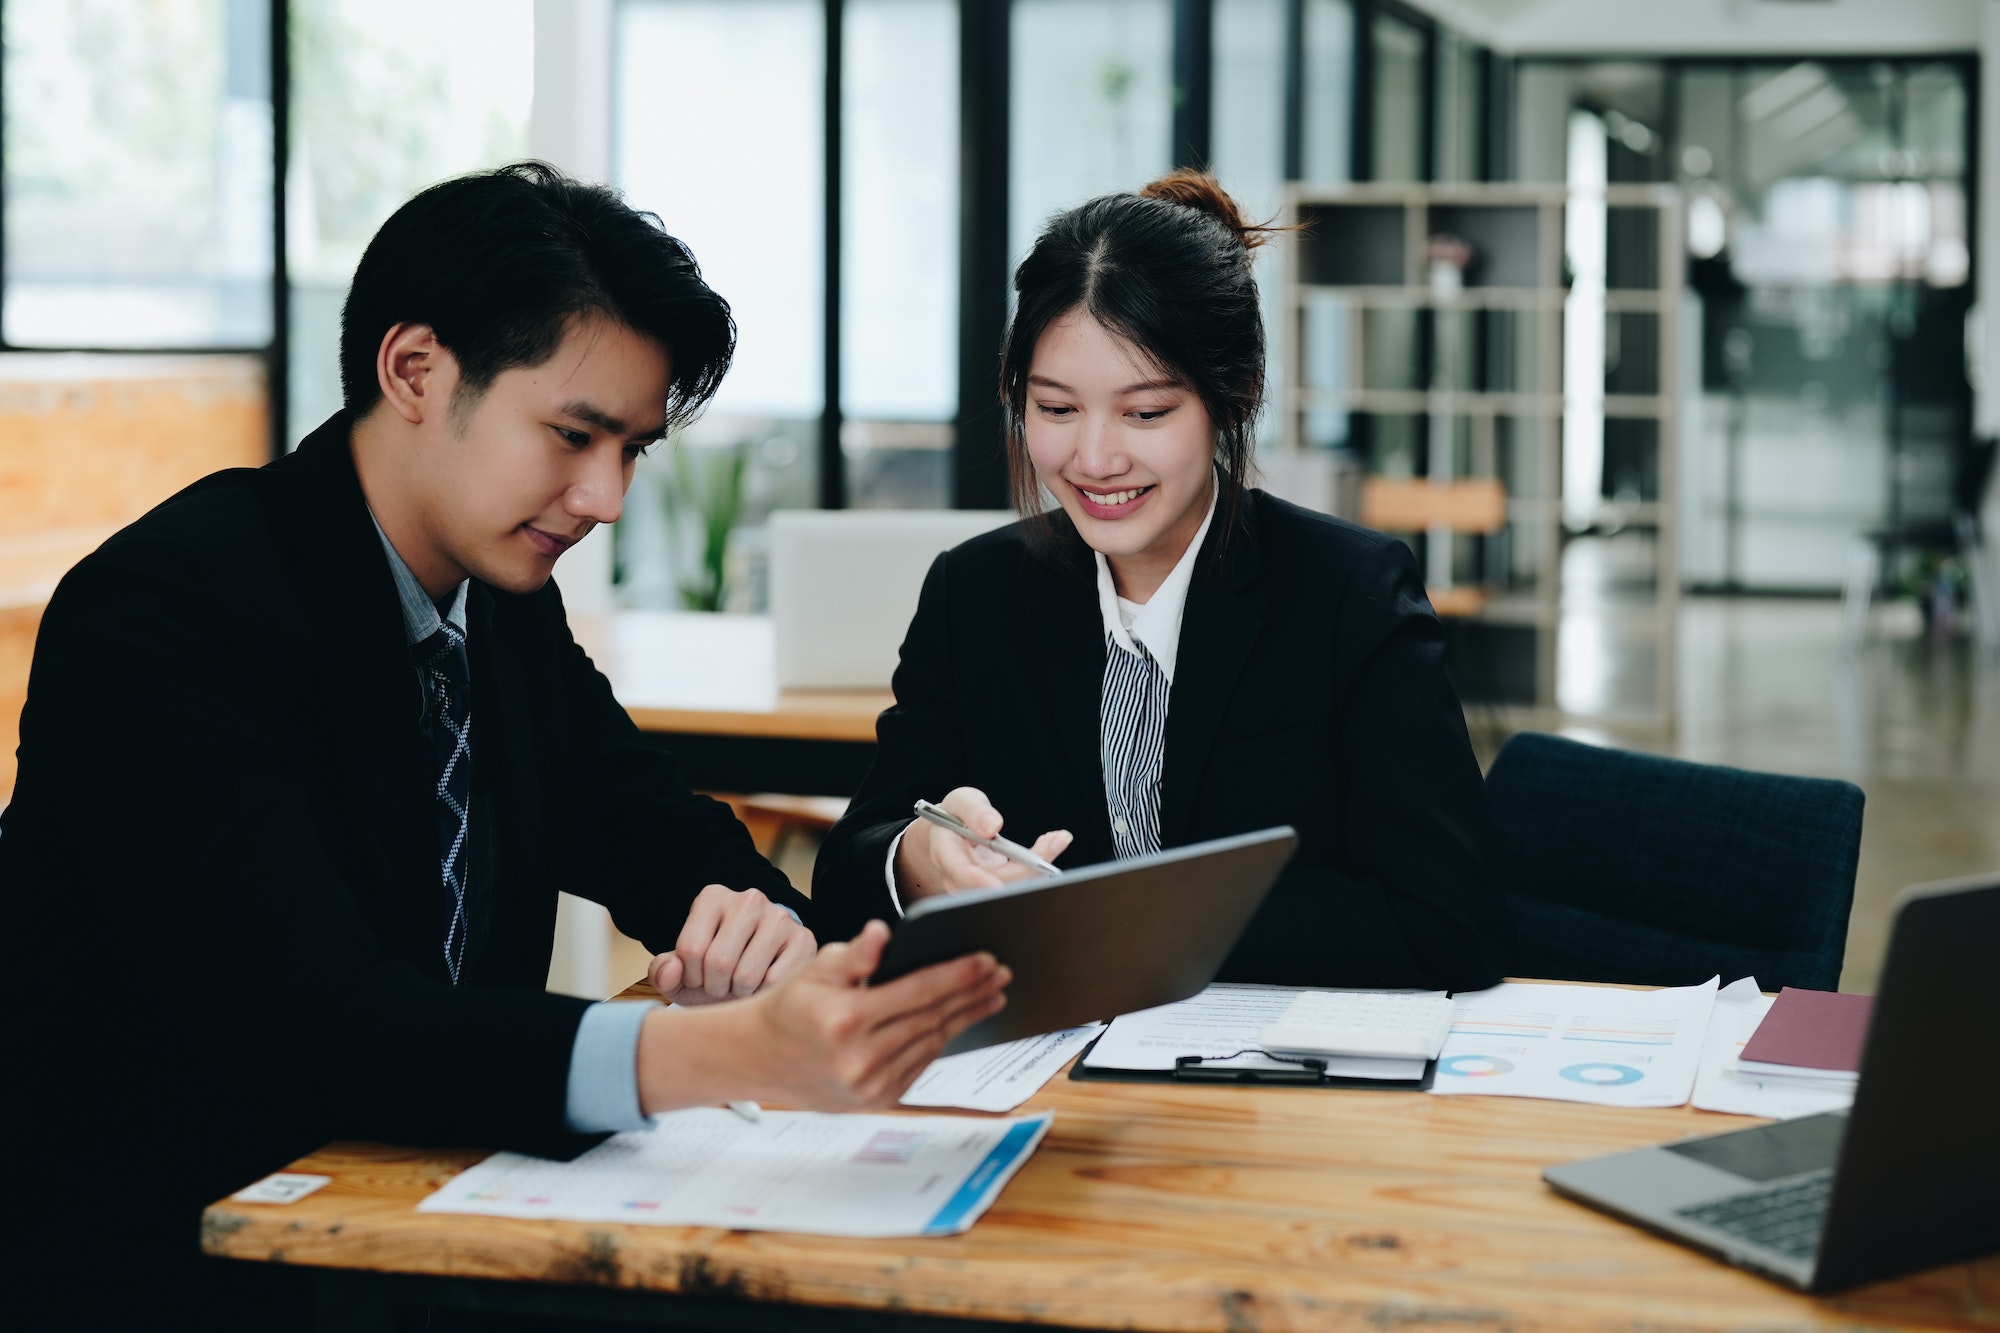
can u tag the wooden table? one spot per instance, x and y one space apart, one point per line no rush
1148 1207
707 686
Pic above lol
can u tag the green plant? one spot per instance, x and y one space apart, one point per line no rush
703 503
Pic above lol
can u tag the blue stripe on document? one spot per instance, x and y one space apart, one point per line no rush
1013 1147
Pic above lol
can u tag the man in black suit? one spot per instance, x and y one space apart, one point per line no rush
309 750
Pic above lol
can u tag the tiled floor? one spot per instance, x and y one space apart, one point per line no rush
1914 722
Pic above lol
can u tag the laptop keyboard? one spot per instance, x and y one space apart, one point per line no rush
1785 1218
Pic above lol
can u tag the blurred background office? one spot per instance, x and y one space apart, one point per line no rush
1678 311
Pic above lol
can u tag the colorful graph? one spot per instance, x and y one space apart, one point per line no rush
890 1146
1601 1074
1475 1066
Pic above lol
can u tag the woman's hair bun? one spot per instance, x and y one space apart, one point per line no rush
1203 193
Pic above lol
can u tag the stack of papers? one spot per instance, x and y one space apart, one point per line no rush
832 1175
1724 1086
998 1078
1809 1038
1221 1025
1577 1043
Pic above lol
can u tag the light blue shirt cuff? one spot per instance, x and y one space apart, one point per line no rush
604 1068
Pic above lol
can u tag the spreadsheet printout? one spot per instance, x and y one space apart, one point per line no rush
833 1175
998 1078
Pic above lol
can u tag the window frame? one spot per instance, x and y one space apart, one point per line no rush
274 351
979 474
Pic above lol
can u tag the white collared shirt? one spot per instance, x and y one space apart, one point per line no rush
1155 622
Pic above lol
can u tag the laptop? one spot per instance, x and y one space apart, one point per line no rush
1098 942
844 585
1905 1178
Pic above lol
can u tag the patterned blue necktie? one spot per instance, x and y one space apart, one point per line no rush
448 718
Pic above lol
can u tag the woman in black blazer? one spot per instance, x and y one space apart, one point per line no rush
1170 656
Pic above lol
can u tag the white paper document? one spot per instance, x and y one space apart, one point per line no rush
1801 1075
284 1187
1577 1043
998 1078
832 1175
1724 1086
1223 1020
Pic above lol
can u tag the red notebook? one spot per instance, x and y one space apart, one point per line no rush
1814 1029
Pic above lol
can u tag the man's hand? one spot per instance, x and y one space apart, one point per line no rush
932 859
733 945
823 1040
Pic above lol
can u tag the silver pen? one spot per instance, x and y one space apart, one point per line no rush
1013 851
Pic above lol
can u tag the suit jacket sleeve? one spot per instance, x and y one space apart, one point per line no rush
1411 899
917 756
645 843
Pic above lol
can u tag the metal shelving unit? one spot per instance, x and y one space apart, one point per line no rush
1427 333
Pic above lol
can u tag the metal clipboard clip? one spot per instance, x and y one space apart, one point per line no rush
1199 1069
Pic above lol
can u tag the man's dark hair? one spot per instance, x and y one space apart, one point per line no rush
498 264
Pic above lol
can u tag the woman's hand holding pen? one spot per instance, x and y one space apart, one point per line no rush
933 860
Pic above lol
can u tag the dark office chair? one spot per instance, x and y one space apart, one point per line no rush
1874 553
1629 867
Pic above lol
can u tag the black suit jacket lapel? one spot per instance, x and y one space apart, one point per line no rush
1064 630
1224 613
371 696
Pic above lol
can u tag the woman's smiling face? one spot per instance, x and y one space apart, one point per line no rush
1127 450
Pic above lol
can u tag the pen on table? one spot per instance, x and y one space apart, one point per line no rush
1013 851
749 1111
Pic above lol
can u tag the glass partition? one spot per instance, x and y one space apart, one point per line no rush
375 118
899 251
1326 139
719 127
1401 113
1092 94
138 174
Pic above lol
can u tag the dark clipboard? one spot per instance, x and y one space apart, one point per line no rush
1193 1076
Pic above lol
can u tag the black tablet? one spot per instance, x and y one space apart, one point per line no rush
1101 941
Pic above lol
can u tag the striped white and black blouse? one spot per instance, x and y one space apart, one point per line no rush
1141 644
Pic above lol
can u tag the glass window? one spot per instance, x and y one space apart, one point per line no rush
1249 143
375 118
1327 138
1400 112
1092 93
718 127
1461 118
899 250
1326 147
138 173
1249 108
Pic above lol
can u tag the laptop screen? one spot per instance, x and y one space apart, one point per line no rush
1790 1148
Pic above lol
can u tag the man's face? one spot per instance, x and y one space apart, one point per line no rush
542 457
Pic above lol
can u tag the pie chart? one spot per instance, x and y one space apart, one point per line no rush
1602 1074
